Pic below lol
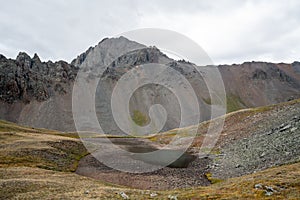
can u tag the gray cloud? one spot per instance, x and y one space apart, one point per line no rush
229 30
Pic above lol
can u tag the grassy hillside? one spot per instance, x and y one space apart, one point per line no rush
39 163
23 146
35 183
237 125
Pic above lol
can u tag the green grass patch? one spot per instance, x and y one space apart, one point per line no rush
47 149
12 127
59 156
207 100
234 103
140 118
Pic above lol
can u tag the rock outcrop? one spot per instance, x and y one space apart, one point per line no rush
26 79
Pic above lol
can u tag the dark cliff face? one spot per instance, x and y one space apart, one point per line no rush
43 90
26 79
132 59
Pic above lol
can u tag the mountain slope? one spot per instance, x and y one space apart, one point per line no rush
251 140
43 90
254 84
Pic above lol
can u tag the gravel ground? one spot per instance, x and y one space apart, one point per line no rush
276 142
162 179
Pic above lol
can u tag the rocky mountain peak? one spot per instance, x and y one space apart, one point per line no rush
22 55
134 58
28 79
36 58
106 52
2 57
296 67
23 59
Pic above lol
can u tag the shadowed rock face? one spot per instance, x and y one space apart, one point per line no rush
29 79
36 93
43 90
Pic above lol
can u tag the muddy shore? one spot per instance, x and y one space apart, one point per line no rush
192 174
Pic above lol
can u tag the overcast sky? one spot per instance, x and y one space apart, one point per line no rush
230 31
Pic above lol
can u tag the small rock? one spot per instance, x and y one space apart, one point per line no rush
281 125
146 192
258 186
281 187
86 192
238 166
285 127
269 189
269 133
268 193
153 194
172 197
262 155
123 195
293 129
